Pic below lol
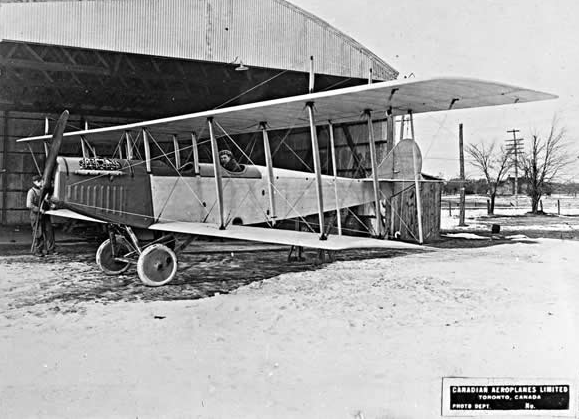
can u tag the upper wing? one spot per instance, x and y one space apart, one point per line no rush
341 105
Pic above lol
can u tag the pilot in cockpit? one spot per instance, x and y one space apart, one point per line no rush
228 162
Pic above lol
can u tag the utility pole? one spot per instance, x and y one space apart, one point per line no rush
515 146
462 179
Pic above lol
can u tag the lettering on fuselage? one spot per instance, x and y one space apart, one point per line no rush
107 189
99 164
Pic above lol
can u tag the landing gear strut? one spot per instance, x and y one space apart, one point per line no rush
323 255
299 256
156 262
110 254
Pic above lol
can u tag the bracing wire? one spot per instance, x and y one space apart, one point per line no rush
276 189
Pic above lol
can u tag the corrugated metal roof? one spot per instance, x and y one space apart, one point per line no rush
262 33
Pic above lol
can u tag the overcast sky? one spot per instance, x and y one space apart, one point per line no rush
530 43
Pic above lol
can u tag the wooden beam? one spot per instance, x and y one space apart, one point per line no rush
37 57
56 67
68 55
352 145
11 51
101 58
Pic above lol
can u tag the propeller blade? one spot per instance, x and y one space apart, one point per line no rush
50 163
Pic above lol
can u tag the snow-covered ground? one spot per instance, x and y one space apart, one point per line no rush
477 219
355 339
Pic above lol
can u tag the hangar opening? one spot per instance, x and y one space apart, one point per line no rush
117 62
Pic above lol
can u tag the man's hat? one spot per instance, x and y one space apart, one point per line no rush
225 153
36 178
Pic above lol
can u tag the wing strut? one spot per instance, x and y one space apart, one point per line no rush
195 152
129 146
269 165
335 170
147 150
217 169
317 168
375 181
85 154
416 182
46 131
86 146
177 152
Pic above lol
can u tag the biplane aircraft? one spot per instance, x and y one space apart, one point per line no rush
198 198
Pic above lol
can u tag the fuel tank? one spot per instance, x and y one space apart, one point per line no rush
113 190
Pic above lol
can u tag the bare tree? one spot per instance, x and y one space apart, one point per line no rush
544 160
494 163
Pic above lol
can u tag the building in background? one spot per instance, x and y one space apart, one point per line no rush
110 62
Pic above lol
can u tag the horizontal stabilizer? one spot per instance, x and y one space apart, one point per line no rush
285 237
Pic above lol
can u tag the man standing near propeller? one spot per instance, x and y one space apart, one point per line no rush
38 200
42 233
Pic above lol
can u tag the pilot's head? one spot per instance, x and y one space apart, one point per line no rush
225 156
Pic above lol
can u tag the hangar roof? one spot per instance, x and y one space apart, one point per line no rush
263 33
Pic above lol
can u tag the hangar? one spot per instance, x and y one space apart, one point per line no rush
110 62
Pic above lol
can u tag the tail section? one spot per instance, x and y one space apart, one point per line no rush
401 163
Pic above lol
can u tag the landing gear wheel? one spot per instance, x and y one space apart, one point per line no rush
157 265
105 260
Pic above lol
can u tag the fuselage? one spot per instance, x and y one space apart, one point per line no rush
122 191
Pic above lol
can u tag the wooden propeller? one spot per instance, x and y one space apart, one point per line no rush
50 163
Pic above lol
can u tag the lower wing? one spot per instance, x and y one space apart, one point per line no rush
285 237
71 214
264 235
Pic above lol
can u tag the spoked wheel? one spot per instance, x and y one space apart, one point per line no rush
105 259
157 265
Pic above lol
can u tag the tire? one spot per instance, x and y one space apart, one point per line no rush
157 265
104 257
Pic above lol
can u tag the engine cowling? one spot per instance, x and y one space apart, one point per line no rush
113 190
